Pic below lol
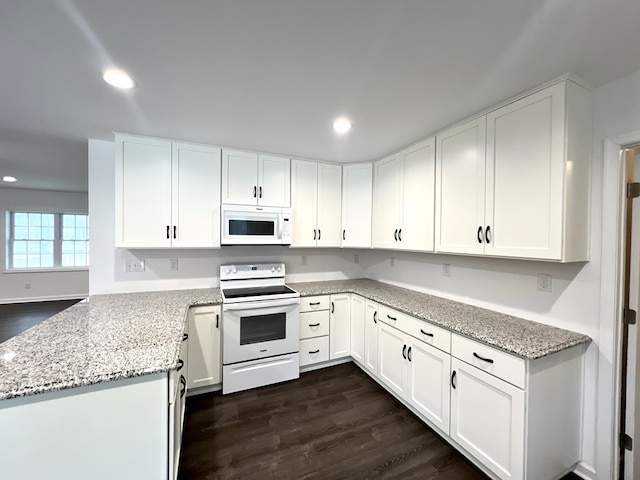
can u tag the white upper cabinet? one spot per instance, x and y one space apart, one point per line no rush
515 182
403 199
460 180
316 200
195 196
357 184
387 200
167 194
255 179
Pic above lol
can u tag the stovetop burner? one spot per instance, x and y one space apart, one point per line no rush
257 291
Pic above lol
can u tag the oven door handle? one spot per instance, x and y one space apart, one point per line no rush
261 304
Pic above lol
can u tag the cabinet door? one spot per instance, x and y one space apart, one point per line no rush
340 326
487 419
329 205
387 180
418 196
357 185
392 350
239 177
143 192
304 198
195 196
460 188
204 366
357 328
525 170
428 382
274 181
371 337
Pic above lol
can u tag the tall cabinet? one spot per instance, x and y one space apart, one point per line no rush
515 182
316 204
167 194
403 193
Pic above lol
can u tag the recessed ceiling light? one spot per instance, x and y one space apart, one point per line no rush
342 125
118 78
9 179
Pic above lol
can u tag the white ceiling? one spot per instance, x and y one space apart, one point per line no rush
271 75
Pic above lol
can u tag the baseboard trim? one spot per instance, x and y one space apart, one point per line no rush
43 299
330 363
585 471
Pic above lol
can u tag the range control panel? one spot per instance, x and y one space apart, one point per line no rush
251 270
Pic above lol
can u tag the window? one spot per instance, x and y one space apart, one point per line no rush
47 240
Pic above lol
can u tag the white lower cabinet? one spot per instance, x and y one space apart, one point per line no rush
205 347
340 326
519 418
487 419
371 336
314 330
417 372
357 328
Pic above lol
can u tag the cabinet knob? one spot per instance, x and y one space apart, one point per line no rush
260 192
453 380
168 231
314 233
344 234
400 234
319 234
488 360
255 191
480 234
409 354
487 234
395 234
404 352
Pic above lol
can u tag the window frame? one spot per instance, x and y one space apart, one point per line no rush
57 243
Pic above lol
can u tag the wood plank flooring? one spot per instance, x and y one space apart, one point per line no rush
334 423
15 318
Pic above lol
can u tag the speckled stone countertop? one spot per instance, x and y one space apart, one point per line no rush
523 338
112 337
103 338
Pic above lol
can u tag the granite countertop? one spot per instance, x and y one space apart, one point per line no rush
524 338
103 338
117 336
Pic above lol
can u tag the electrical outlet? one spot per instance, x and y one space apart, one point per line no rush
304 259
27 285
392 262
544 283
173 264
356 259
134 266
446 270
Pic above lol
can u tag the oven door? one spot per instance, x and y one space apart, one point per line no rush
253 330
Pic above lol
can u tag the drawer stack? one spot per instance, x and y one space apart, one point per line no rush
314 330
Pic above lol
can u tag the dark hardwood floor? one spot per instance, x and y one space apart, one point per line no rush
334 423
18 317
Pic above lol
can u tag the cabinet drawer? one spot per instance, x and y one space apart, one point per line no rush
491 360
428 333
314 350
309 304
393 317
314 324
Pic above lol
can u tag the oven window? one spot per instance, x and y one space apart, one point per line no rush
251 227
263 328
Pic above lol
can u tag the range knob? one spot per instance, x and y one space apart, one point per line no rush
227 271
273 269
278 269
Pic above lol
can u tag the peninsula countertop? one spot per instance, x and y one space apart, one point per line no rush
117 336
102 338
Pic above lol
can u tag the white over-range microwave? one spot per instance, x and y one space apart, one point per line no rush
254 225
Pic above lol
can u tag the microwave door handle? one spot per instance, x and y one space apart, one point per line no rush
262 304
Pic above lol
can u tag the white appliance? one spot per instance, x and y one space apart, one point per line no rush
253 225
260 326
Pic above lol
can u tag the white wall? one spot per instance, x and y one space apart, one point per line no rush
44 285
196 268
